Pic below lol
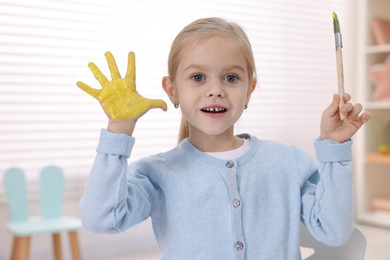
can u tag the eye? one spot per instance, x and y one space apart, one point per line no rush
231 78
198 77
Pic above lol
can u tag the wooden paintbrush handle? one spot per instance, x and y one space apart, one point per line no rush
340 74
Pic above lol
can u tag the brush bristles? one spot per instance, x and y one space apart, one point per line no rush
336 24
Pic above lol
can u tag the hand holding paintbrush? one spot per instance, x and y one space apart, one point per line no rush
341 120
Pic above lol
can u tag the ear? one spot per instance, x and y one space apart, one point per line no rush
252 87
170 89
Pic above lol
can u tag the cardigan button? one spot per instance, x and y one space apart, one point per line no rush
229 164
236 203
239 245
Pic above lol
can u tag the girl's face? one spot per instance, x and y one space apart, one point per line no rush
211 86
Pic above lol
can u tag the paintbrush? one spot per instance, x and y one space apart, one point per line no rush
339 57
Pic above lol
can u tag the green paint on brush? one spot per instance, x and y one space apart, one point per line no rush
336 24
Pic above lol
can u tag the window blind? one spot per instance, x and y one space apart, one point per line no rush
45 46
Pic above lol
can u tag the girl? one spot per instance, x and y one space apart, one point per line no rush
218 195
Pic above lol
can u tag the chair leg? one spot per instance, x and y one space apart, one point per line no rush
21 248
15 249
57 246
74 244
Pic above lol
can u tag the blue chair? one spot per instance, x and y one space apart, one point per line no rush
354 249
51 221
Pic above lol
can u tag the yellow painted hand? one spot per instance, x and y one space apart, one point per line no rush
119 97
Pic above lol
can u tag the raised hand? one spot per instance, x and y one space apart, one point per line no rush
334 128
119 97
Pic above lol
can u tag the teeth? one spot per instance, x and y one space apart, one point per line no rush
214 109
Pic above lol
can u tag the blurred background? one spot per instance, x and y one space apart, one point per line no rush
45 46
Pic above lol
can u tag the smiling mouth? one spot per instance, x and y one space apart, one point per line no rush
214 110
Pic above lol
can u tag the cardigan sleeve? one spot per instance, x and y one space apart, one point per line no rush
116 197
327 197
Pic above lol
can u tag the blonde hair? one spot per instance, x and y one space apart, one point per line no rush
203 29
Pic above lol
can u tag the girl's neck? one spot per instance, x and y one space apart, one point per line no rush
215 143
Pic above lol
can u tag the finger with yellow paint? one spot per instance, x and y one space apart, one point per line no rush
119 97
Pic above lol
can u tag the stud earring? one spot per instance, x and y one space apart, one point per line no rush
246 106
176 105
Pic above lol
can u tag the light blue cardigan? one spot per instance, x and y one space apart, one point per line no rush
206 208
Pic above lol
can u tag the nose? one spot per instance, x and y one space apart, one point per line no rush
215 89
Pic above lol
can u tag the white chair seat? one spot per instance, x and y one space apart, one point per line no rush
36 224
